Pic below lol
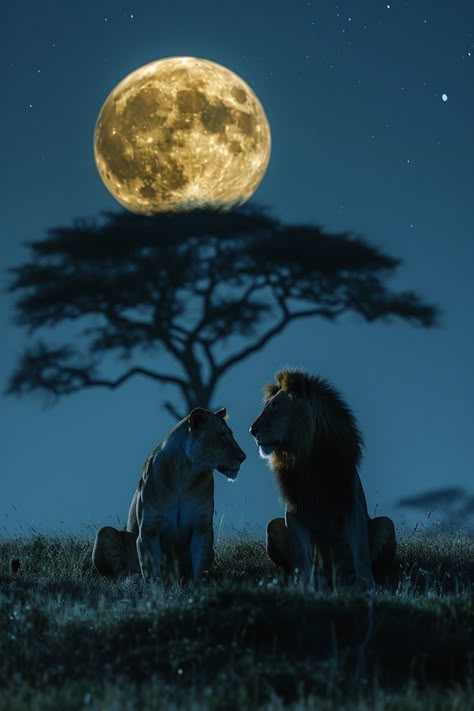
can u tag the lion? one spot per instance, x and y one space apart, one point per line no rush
170 520
313 445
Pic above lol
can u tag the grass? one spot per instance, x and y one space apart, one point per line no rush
245 639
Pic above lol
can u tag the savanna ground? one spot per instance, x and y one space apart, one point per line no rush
245 639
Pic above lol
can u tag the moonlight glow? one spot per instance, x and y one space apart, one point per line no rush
181 133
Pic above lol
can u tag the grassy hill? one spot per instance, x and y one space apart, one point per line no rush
245 639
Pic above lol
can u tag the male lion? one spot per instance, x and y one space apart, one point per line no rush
312 442
170 517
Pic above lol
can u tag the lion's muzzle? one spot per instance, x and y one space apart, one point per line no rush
231 468
254 429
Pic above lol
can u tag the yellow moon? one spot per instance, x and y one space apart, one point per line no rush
181 133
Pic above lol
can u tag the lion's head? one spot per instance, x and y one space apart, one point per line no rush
311 440
287 422
211 444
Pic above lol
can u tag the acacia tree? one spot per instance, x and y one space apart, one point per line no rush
188 283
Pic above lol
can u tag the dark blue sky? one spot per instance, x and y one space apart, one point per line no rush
362 140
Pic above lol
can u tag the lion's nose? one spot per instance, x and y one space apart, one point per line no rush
242 457
253 430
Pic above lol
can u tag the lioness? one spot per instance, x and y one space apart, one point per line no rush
171 514
311 440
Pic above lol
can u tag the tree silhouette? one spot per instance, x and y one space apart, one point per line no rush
193 284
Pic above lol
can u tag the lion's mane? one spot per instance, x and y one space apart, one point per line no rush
320 457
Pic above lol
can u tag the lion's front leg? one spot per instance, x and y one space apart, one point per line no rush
149 554
202 550
357 535
299 547
150 523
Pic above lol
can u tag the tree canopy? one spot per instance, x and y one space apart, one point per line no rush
187 283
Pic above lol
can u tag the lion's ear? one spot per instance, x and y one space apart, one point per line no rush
197 418
222 413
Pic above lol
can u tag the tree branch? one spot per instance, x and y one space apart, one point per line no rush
136 370
278 328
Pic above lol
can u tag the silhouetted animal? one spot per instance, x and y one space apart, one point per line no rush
311 440
171 514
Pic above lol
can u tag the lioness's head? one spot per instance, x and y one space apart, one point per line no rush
286 423
211 444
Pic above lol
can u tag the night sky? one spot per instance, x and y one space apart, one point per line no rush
371 107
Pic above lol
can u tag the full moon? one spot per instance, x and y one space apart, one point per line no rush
181 133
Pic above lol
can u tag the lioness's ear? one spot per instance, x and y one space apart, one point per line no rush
196 418
222 413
